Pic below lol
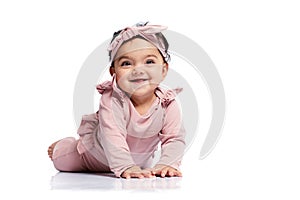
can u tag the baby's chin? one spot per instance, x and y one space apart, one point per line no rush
143 91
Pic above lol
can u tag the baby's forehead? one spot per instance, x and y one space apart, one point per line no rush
136 47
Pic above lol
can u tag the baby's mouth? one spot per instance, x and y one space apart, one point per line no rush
138 80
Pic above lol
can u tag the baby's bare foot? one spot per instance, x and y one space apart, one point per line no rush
51 148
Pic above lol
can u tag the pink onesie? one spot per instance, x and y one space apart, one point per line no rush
118 137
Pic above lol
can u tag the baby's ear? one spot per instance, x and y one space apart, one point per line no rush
111 70
165 69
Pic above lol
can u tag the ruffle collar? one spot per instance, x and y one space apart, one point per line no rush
110 85
167 96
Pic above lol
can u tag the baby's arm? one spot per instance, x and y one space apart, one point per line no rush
112 136
172 139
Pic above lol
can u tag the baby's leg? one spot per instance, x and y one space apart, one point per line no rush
65 156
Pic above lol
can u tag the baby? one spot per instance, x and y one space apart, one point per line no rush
134 115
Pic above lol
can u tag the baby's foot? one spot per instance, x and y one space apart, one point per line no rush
51 148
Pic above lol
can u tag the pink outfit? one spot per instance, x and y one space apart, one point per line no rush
118 137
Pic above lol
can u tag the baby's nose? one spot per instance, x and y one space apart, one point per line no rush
137 71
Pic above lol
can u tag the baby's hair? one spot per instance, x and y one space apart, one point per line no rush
159 36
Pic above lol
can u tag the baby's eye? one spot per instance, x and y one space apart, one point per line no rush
125 63
150 61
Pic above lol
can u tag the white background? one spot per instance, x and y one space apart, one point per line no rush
255 46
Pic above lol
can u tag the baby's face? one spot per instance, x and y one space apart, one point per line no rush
139 67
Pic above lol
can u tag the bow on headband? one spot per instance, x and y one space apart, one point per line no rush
147 32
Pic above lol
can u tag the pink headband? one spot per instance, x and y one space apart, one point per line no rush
147 31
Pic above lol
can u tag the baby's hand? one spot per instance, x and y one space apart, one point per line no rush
165 170
136 172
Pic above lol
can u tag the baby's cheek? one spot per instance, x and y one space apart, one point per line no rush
121 82
121 76
156 78
124 86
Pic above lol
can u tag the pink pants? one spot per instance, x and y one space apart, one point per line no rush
66 158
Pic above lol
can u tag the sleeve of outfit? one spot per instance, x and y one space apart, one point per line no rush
172 136
112 133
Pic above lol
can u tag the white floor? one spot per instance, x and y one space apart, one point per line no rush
81 181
